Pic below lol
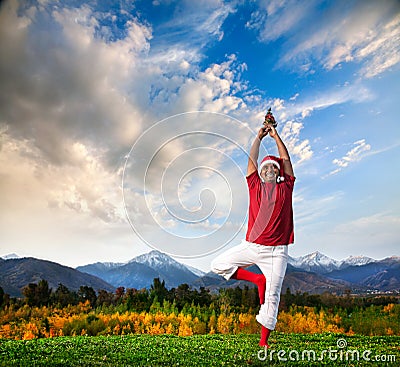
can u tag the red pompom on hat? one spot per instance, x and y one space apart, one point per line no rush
277 162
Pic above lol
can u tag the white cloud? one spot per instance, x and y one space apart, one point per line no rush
200 22
342 94
291 136
69 82
276 18
380 229
353 155
382 50
213 22
370 35
84 184
215 89
310 210
364 32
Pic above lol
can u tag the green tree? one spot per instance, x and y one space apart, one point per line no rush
64 297
203 298
119 294
43 292
104 298
182 295
137 300
87 293
159 290
37 294
29 292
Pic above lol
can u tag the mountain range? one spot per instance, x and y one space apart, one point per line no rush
322 264
140 271
312 273
16 273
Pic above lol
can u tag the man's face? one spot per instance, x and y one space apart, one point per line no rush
269 172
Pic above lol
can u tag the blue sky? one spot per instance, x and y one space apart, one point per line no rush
125 127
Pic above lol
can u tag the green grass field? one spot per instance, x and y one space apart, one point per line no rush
203 350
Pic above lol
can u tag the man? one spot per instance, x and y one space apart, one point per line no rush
269 231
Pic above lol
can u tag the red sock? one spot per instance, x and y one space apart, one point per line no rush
264 337
257 279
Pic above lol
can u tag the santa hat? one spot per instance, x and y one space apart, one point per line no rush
277 162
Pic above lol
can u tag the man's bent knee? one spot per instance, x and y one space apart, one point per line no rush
222 268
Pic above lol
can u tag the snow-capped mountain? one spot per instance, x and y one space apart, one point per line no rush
322 264
195 271
100 266
356 261
157 259
10 256
315 262
141 271
171 271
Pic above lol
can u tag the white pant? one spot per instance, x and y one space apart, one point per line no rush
272 261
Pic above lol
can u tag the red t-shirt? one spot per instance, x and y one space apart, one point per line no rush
270 220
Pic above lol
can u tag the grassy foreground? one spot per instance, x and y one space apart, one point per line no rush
203 350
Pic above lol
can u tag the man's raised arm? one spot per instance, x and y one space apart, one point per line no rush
252 164
283 152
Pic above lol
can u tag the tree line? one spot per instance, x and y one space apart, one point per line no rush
40 294
240 299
